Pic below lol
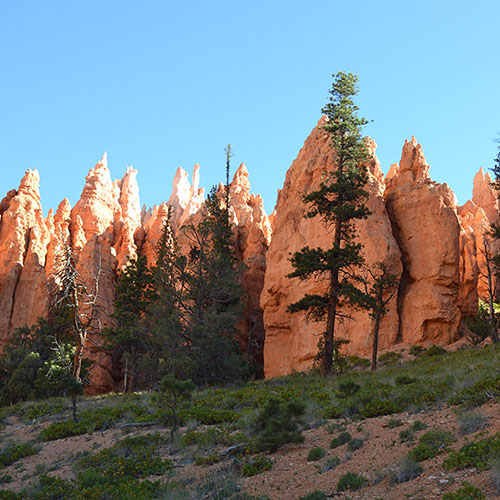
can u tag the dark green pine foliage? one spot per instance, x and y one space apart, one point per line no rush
199 294
215 293
36 363
339 201
130 338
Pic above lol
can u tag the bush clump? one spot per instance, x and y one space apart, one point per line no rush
351 482
315 495
431 444
355 444
342 438
255 465
471 421
407 470
476 454
278 422
137 457
15 452
316 453
466 492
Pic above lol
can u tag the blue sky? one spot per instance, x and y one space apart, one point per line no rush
162 84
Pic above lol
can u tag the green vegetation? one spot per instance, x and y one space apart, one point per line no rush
475 454
255 465
14 452
316 453
431 444
278 423
342 438
340 202
466 492
407 470
350 481
315 495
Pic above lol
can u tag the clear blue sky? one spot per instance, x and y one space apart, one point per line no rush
161 84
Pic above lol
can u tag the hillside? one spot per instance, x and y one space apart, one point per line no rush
428 404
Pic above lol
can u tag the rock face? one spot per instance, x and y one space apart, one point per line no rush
476 218
425 223
435 248
105 228
291 339
24 236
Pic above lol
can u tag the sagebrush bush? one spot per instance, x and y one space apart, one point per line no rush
355 444
407 470
329 464
471 421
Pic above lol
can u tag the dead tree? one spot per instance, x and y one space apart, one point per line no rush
76 299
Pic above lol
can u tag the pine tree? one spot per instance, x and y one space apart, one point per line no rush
339 201
130 337
198 306
380 289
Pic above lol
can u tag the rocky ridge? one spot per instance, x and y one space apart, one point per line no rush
416 228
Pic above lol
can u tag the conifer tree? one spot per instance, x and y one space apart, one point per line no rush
339 201
130 336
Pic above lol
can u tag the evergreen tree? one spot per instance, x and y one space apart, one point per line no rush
339 201
130 337
380 289
199 296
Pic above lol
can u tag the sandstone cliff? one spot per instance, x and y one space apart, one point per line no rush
291 339
415 228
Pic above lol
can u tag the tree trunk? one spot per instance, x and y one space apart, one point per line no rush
125 378
491 308
376 329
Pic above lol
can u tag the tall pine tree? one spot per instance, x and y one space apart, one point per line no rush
339 201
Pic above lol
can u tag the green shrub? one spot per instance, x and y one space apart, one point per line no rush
348 389
389 358
466 492
316 453
418 426
355 444
137 457
209 460
378 407
405 380
209 416
278 423
417 350
434 350
315 495
15 452
476 454
351 482
393 423
255 465
90 421
330 464
354 362
479 393
407 470
342 438
431 444
5 478
495 473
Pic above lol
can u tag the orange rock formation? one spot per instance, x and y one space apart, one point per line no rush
415 228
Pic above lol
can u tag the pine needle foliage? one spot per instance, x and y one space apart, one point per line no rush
340 202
